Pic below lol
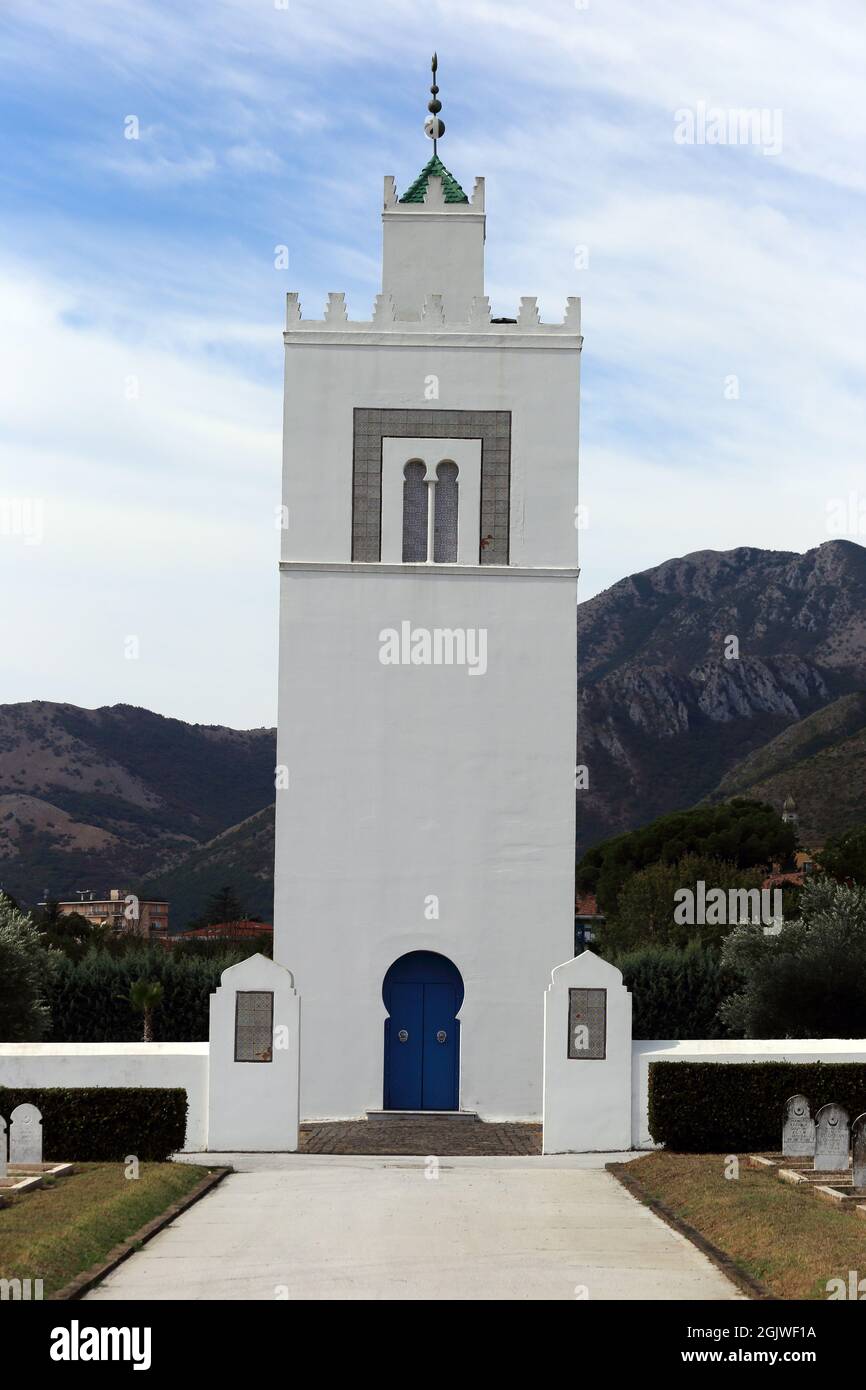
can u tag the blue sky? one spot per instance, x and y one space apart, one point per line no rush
140 332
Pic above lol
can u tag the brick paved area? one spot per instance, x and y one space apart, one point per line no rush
420 1137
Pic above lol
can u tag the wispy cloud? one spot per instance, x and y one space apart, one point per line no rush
699 265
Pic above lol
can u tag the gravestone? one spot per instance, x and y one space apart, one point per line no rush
858 1151
798 1129
25 1135
3 1169
831 1139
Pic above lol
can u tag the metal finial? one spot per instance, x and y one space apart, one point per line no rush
434 128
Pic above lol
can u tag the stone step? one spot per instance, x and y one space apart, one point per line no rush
423 1116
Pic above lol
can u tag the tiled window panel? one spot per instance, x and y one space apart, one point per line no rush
445 527
415 501
254 1026
587 1024
492 427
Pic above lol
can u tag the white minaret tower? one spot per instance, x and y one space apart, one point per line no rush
425 803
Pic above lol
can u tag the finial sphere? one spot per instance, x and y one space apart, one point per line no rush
434 129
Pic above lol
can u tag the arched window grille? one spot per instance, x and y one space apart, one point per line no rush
415 502
445 532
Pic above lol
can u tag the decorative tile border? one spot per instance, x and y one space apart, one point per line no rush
492 427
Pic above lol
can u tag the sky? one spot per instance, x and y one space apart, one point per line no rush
154 156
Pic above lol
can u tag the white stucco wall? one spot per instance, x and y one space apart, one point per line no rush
587 1100
433 248
418 780
532 374
253 1106
423 780
183 1065
734 1050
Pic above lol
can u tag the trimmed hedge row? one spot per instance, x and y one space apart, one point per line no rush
731 1107
89 999
676 991
104 1124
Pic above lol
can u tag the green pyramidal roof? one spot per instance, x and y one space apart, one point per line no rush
450 187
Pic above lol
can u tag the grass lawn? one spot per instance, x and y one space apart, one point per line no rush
56 1232
782 1235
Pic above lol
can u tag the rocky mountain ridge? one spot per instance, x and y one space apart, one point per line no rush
670 712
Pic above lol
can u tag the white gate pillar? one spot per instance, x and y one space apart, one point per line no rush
587 1058
253 1066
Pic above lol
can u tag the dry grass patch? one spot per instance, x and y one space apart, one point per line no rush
781 1235
56 1232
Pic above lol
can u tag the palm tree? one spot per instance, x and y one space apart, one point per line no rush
144 996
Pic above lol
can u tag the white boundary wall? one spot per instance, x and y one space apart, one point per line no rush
186 1065
726 1050
253 1106
231 1105
115 1064
587 1100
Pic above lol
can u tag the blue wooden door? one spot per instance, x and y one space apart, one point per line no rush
406 1051
422 992
439 1060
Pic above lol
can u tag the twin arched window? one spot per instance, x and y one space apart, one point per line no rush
430 513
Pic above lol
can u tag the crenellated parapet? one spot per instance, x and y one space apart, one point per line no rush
433 277
434 191
527 323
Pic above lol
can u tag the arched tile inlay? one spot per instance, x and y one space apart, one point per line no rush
492 427
416 495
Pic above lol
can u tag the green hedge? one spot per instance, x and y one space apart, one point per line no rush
89 999
731 1107
104 1124
676 991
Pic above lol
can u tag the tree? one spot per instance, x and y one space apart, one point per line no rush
68 932
222 906
647 904
809 981
145 996
24 974
749 834
844 857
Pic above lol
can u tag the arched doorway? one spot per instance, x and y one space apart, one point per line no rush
422 992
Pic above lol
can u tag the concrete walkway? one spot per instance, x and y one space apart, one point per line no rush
320 1227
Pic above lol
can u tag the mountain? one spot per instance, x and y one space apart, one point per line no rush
668 716
242 856
95 799
664 715
820 761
